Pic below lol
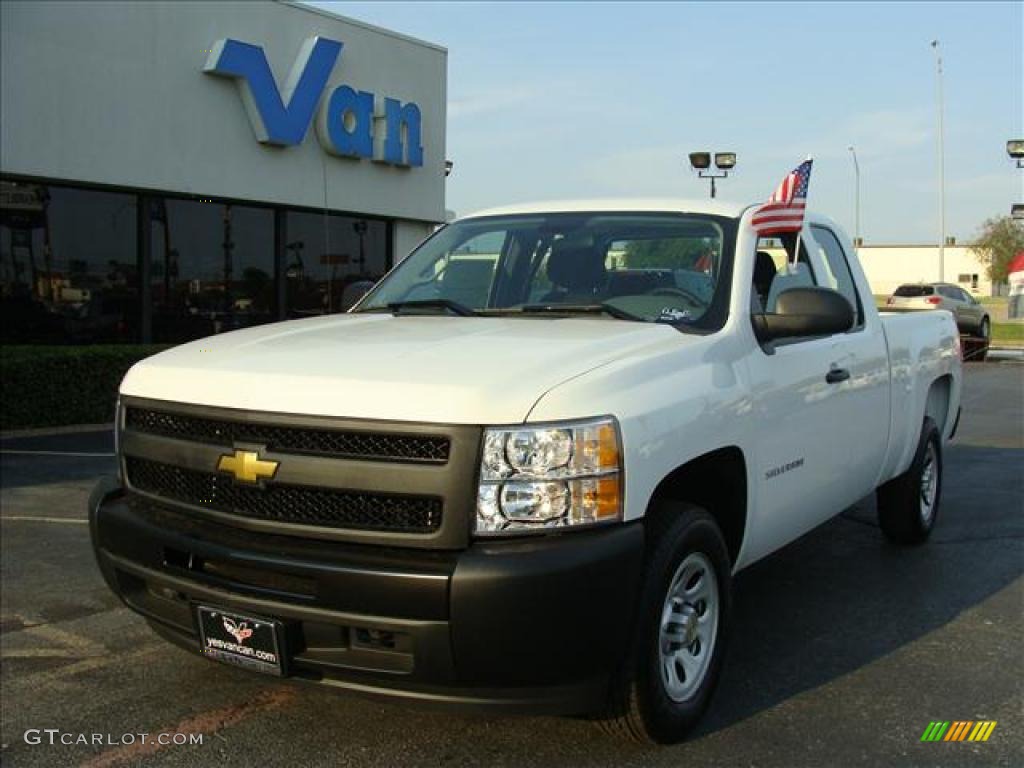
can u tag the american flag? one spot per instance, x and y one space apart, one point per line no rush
784 211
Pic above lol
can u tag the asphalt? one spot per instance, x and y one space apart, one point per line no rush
844 647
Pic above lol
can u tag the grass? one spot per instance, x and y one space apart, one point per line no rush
994 301
1012 333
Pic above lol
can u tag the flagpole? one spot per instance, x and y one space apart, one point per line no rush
800 232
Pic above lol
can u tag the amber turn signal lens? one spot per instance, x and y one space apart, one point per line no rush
608 453
609 501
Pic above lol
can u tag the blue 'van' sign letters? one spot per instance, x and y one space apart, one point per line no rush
348 119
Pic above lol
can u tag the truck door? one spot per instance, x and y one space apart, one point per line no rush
806 468
863 399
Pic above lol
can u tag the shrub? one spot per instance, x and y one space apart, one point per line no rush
45 386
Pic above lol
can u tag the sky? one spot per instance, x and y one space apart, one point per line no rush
569 100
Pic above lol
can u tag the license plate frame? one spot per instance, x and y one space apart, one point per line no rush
240 639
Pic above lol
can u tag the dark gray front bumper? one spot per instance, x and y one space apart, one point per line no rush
528 625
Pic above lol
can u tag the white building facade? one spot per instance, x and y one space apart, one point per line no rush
171 170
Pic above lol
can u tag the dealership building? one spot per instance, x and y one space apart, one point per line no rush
171 170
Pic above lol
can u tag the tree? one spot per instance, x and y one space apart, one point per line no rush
1000 239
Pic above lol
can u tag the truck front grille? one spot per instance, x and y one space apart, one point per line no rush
365 481
367 446
301 505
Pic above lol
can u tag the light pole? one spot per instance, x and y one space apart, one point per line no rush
856 197
942 167
1015 149
701 163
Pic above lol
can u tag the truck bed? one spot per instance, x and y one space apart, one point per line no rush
921 345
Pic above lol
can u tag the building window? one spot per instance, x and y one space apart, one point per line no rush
326 257
212 268
70 265
68 269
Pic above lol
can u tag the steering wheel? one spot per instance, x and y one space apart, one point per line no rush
692 298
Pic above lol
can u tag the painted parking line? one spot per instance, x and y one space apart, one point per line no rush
36 681
205 723
70 454
33 519
49 641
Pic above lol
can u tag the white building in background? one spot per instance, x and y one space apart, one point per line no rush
889 266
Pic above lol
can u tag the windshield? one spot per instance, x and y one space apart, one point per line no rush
914 291
649 267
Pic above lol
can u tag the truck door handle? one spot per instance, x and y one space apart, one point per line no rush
836 375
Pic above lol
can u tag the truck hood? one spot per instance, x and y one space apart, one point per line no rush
468 370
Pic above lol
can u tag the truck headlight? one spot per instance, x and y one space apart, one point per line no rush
550 476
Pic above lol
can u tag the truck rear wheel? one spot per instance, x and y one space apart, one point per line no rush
909 504
672 668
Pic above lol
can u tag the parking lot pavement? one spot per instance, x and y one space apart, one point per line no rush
844 648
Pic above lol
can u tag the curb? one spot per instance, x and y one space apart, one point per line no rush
71 429
1006 354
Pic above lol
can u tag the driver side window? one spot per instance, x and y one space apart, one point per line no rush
839 277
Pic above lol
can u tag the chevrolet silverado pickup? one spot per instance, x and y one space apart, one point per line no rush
522 471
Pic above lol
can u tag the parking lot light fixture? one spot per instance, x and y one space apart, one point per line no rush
701 163
1015 149
725 160
700 160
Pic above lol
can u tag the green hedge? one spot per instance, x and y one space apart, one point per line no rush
54 386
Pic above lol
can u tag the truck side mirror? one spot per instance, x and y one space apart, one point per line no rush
805 311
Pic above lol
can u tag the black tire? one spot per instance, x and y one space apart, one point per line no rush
984 333
640 706
901 501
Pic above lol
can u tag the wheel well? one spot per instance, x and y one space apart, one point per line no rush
716 481
936 405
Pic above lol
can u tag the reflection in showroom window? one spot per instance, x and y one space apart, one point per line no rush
68 272
212 268
328 258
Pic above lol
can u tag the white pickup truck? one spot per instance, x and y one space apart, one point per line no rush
523 470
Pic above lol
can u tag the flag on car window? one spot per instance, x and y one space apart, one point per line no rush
784 211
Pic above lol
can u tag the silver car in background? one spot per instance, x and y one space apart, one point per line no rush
971 316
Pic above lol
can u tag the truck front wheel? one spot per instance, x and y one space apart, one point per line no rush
909 504
672 668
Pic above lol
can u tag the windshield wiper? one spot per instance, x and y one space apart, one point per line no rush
454 307
592 309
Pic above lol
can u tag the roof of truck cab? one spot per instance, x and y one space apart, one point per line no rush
619 205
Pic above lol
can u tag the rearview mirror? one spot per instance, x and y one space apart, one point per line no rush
805 311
